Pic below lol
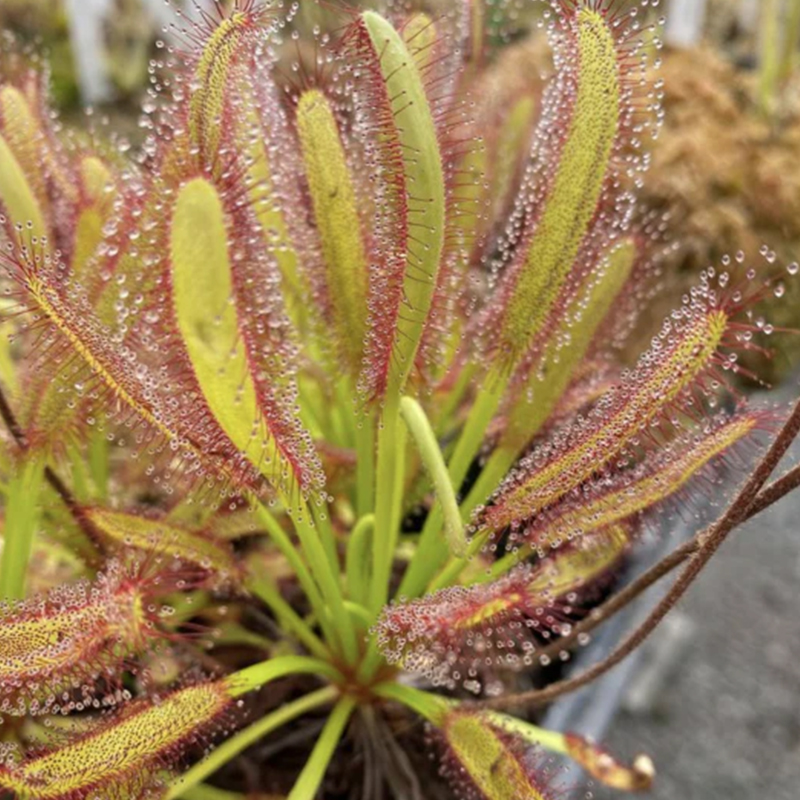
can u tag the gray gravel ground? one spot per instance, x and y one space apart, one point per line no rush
724 722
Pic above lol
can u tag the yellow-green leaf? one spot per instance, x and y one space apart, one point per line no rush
333 197
208 321
577 185
425 191
18 201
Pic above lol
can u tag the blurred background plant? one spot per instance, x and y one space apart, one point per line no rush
723 167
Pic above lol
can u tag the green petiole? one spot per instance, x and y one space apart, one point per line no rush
21 522
428 447
311 777
230 748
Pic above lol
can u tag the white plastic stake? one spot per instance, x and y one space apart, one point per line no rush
748 14
86 36
685 19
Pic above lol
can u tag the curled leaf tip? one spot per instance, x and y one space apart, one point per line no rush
602 765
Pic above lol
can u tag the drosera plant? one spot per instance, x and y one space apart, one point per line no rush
321 389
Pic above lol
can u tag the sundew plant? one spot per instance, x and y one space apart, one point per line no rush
317 426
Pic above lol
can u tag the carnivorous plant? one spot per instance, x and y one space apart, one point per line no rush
317 419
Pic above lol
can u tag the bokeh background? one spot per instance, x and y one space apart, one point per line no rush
715 697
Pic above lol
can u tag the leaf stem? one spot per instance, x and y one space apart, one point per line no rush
322 570
292 556
449 575
21 522
251 678
261 586
431 707
386 532
203 792
357 560
311 777
429 450
365 464
322 523
431 553
230 748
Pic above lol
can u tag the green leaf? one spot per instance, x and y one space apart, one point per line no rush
333 197
208 321
425 191
21 522
18 201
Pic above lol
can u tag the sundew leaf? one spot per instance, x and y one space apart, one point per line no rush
18 201
566 346
211 80
123 756
271 188
95 209
595 104
333 198
48 172
487 761
52 410
21 173
586 149
450 635
685 350
164 541
235 118
660 477
93 361
438 48
414 129
71 637
208 320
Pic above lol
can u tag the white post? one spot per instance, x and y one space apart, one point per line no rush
748 14
685 20
86 36
164 13
85 30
